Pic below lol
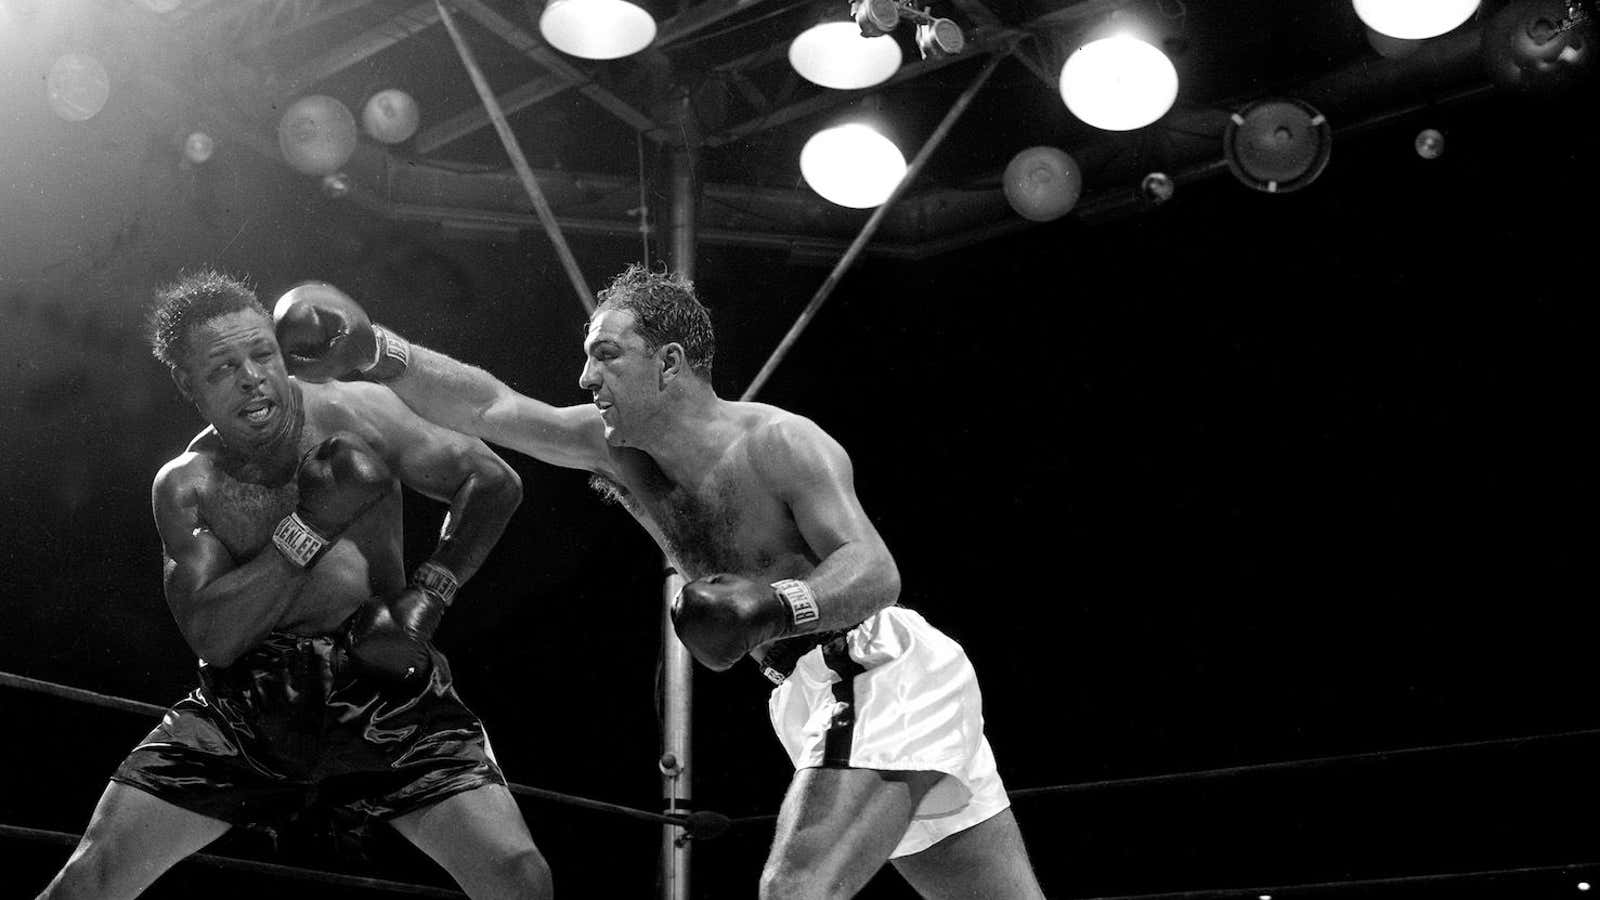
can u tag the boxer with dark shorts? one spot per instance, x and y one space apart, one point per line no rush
320 687
286 725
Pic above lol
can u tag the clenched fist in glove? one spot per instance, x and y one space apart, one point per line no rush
339 480
389 638
722 617
325 335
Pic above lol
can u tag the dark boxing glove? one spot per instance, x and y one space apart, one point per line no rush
389 639
720 618
339 480
326 335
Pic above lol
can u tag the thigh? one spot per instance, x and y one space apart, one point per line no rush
837 827
481 839
132 838
985 861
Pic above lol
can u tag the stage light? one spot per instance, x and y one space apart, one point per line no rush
1413 20
836 55
390 116
77 86
596 29
852 165
1118 83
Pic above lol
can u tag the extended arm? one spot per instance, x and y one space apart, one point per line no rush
326 334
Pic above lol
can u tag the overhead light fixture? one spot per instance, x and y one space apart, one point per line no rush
1413 20
852 165
1118 83
596 29
836 55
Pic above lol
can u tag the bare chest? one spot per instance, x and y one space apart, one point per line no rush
726 523
242 515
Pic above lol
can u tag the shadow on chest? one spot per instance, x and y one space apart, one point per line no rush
242 515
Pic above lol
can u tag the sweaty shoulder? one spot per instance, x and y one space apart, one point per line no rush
181 481
785 445
357 406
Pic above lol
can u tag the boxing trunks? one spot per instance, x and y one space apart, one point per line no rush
285 727
893 694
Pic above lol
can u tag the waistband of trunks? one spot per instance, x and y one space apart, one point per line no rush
778 660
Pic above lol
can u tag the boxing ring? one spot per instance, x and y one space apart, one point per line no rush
706 825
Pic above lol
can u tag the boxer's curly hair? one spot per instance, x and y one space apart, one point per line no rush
665 310
194 298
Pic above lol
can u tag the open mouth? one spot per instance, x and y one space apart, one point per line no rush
257 412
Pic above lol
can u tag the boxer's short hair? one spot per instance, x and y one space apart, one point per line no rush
665 310
194 299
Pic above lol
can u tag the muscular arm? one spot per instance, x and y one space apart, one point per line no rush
857 575
221 608
481 489
468 399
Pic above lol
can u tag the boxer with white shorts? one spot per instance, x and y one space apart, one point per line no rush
757 506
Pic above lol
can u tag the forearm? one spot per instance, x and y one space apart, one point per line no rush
236 611
447 392
479 511
854 581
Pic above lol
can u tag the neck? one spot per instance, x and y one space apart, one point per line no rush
693 433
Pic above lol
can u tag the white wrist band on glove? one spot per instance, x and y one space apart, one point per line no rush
391 347
797 596
436 580
299 542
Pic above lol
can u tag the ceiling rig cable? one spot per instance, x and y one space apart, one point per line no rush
878 215
547 216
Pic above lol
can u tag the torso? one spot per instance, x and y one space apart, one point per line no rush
242 512
726 519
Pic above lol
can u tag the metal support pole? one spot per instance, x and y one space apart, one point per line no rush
677 665
867 230
677 709
547 216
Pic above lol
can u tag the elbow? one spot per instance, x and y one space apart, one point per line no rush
502 482
891 580
215 649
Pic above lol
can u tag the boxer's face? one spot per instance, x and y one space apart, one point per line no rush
623 377
234 375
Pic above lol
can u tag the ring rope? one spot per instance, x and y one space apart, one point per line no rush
1389 881
702 824
706 824
1281 766
258 867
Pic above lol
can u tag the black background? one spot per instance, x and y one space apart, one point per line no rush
1239 479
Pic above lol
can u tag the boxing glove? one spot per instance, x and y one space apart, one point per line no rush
339 480
722 617
389 639
381 648
326 335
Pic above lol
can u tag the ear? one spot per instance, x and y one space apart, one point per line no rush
181 379
673 361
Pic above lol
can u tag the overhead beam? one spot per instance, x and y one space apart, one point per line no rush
541 53
364 45
322 14
690 21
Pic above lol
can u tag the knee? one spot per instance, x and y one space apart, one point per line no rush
88 873
527 870
789 882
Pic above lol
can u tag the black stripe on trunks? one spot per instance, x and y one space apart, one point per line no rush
841 731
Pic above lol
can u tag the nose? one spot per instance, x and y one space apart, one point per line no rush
589 379
251 373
